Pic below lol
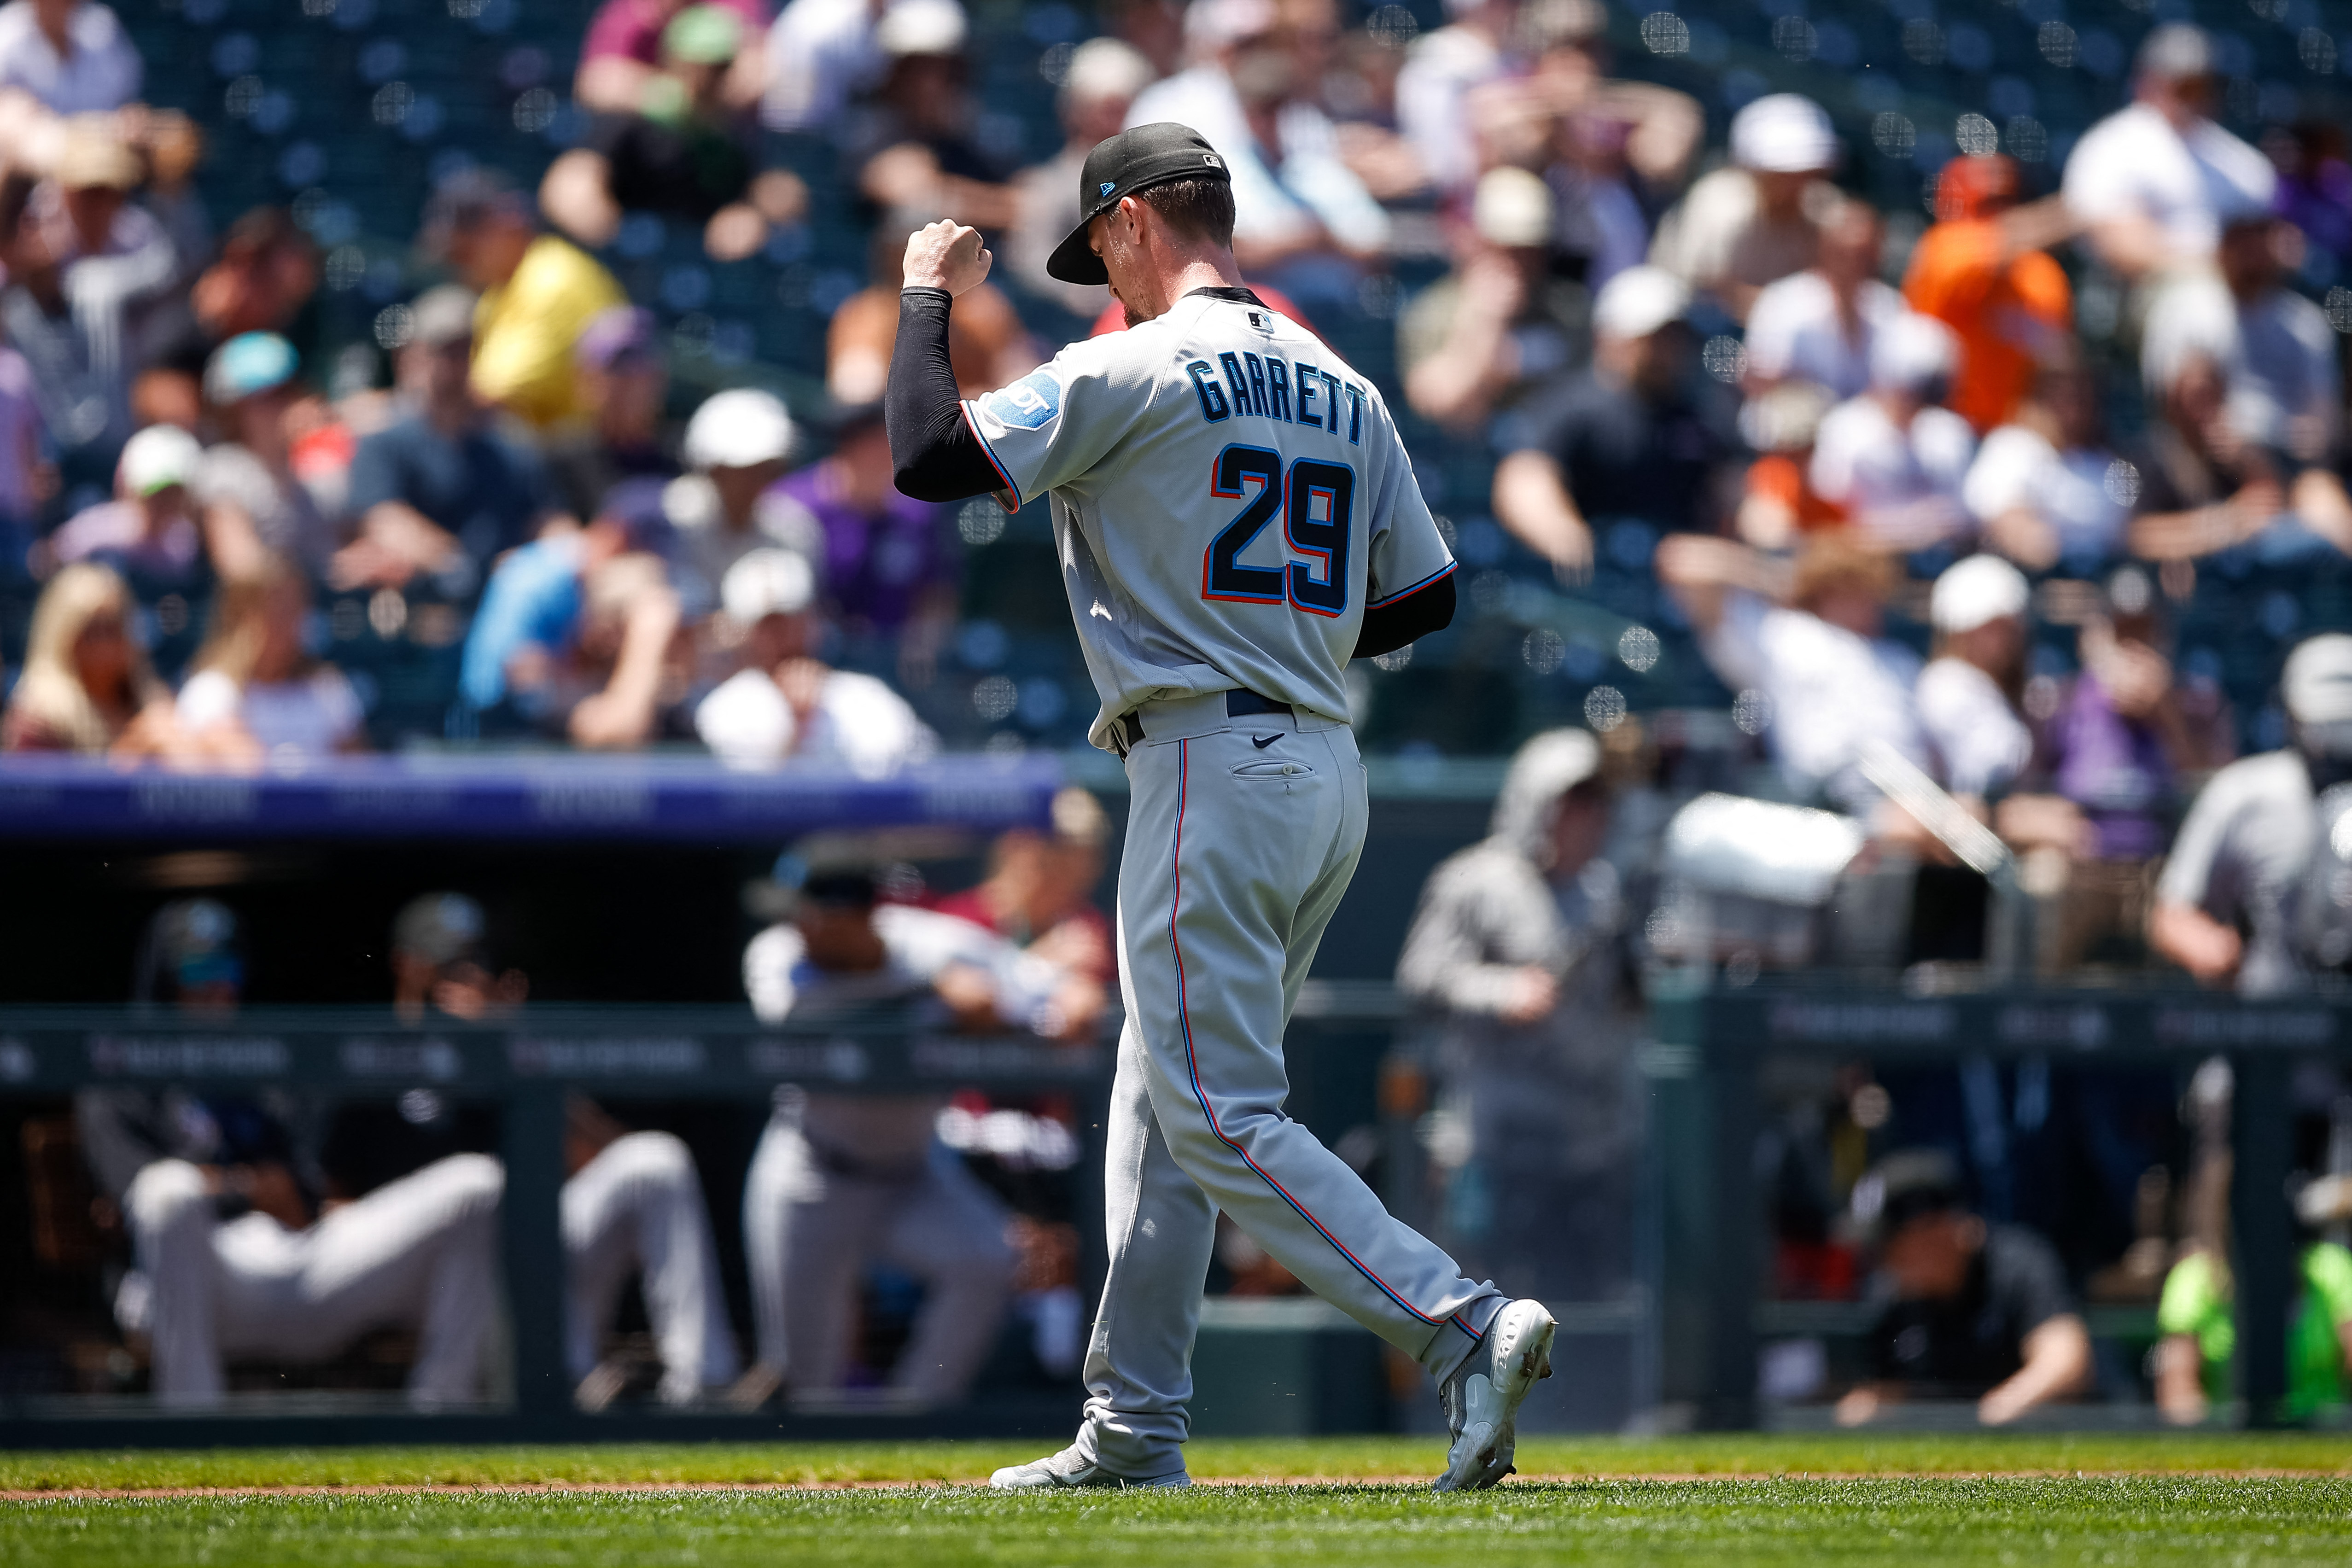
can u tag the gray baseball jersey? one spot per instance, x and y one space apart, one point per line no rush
1228 498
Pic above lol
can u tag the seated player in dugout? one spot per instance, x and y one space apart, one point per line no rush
631 1204
1974 1311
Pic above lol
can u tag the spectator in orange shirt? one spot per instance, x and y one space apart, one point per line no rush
1981 270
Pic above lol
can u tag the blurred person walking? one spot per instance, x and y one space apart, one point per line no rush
257 694
1517 951
239 1255
2224 904
786 704
86 685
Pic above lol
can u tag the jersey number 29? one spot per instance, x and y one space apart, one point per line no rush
1318 586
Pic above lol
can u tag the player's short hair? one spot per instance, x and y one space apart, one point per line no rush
1198 210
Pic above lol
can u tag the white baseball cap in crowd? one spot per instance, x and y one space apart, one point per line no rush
157 458
1783 133
1976 591
2176 51
1105 69
1211 24
1640 300
739 429
922 28
1912 354
2317 680
1512 208
767 582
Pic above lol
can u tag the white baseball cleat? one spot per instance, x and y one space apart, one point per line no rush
1069 1470
1482 1398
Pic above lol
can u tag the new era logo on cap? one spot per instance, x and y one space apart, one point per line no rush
1107 187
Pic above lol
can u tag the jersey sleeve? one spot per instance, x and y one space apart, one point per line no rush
1058 420
1408 552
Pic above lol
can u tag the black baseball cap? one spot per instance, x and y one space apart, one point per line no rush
1120 165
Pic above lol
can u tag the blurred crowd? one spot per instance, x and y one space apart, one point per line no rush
1646 324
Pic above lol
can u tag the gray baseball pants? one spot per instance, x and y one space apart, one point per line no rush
418 1252
638 1205
1237 855
809 1233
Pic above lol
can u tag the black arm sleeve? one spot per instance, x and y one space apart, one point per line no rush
1388 627
933 451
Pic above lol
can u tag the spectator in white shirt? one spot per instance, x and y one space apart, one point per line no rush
2045 488
71 55
787 705
1434 89
1302 222
2155 182
822 54
2275 346
1818 325
258 695
1809 641
1968 693
1895 458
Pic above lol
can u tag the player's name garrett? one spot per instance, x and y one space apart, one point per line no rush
1242 382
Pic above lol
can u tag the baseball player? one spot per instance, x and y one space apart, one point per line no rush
1237 518
839 1180
631 1203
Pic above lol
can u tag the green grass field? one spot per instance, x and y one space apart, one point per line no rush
2197 1500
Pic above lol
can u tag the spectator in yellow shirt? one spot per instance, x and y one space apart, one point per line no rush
538 293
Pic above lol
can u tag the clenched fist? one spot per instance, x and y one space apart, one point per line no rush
945 254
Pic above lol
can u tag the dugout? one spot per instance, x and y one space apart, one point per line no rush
1728 1060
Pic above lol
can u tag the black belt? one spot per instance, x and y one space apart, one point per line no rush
1239 703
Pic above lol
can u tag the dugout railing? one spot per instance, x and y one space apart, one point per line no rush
520 1068
1702 1074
